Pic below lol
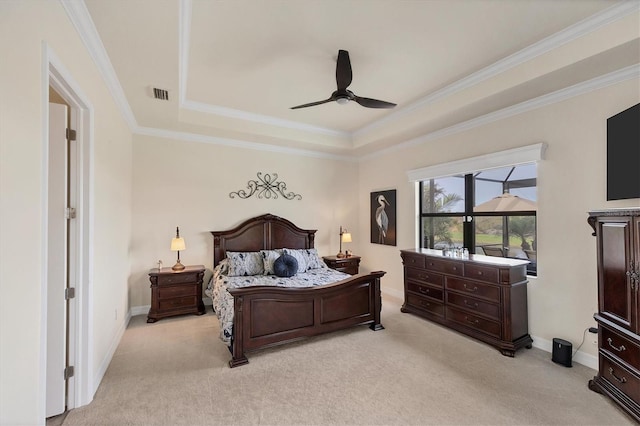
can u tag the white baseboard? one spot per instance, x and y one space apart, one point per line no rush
97 379
144 309
583 358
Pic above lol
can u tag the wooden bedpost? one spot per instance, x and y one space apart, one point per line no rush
377 303
237 351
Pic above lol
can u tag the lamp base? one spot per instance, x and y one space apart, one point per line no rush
178 266
340 255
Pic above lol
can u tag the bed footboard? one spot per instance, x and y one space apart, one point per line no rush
268 316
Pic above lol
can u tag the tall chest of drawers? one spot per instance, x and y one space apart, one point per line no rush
618 252
483 297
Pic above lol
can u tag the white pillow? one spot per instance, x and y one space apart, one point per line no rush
245 263
268 258
301 256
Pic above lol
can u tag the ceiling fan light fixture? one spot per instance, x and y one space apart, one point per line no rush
342 101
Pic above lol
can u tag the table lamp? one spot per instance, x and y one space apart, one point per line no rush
177 244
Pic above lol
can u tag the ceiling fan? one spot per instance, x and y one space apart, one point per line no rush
342 95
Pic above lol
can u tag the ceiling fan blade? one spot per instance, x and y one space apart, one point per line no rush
313 103
373 103
343 70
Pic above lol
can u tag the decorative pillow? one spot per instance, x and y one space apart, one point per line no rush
285 266
268 257
314 261
301 257
245 263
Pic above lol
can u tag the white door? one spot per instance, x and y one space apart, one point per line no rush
57 268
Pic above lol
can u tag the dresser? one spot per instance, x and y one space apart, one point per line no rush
617 235
484 297
348 265
176 292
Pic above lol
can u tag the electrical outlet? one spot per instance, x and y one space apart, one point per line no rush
595 341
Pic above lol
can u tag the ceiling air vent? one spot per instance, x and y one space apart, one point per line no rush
160 94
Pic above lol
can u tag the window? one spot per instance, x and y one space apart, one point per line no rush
490 212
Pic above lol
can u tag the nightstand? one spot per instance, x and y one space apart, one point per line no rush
348 265
175 292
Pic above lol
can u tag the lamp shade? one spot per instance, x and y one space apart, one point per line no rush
177 244
346 237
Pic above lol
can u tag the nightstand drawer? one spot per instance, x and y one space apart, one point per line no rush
177 303
177 291
413 260
177 278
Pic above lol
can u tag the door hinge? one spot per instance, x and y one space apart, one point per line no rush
69 293
68 372
70 213
71 134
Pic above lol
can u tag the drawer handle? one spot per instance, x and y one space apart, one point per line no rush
619 379
479 272
620 349
423 276
474 306
423 290
474 322
423 303
455 268
470 289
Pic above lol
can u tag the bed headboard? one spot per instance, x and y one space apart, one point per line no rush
264 232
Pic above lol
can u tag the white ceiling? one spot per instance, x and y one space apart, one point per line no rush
233 68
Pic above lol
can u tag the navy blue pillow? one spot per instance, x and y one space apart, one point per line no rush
285 266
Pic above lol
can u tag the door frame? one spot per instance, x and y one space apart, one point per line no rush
82 386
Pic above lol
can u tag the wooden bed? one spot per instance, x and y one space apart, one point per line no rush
268 316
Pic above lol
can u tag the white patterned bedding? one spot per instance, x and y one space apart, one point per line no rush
223 301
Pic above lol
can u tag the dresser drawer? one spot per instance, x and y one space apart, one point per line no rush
177 303
620 377
473 305
453 268
177 291
416 260
477 289
177 278
476 322
424 304
424 276
426 290
617 346
484 273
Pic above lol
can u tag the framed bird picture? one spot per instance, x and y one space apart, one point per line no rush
383 217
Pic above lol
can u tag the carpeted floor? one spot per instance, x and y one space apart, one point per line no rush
174 372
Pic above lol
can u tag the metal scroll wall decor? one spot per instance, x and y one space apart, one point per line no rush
267 186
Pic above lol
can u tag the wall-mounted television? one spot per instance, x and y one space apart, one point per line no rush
623 154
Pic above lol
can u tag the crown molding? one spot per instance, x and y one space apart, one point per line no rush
541 47
624 74
234 143
81 20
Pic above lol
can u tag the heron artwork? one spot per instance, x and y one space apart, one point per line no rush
382 220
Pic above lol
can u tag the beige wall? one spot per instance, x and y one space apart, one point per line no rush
187 184
24 26
571 181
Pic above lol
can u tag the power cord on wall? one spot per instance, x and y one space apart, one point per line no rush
591 330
